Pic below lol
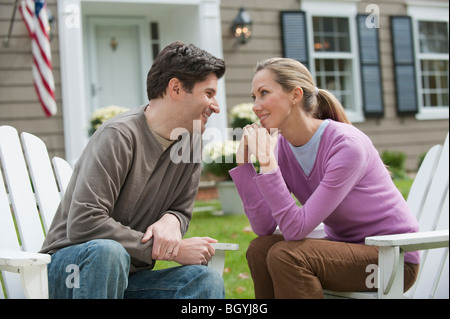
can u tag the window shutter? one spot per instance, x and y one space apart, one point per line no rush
404 67
369 53
294 36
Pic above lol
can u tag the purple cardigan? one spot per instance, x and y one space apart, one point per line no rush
349 189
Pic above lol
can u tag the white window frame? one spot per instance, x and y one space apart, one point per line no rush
338 9
435 12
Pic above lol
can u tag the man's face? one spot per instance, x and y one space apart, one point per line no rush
200 103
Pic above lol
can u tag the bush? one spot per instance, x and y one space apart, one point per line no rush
242 114
220 157
395 161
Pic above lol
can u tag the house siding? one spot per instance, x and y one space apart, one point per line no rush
20 108
392 132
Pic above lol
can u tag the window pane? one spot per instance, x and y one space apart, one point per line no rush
433 37
434 75
331 34
154 33
335 75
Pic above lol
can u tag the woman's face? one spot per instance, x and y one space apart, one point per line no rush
271 103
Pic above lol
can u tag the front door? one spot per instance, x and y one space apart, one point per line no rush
115 71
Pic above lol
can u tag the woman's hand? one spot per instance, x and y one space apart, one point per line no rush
242 155
262 144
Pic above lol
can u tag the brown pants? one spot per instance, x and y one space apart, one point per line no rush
302 269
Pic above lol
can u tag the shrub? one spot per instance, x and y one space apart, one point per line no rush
220 157
242 114
395 161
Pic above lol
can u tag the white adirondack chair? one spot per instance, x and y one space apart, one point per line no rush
429 202
29 201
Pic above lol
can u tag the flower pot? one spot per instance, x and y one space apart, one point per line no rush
229 198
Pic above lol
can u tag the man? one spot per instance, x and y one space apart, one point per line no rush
128 204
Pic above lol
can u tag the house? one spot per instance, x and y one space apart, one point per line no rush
387 61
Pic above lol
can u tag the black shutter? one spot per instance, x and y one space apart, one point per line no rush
369 53
294 36
404 67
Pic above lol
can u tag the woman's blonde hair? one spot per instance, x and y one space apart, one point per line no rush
319 103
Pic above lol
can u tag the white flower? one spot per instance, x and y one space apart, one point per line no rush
214 151
244 110
100 116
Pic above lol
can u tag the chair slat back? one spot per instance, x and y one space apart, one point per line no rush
8 241
20 190
63 172
434 201
42 176
422 181
432 281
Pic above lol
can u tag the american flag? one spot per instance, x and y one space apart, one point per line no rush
34 14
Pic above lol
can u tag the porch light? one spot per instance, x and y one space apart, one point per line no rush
242 26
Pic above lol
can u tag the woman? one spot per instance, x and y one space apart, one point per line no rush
334 171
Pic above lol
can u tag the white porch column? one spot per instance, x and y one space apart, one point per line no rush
72 78
211 41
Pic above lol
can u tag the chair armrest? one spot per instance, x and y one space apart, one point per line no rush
32 268
225 246
217 262
13 259
411 241
390 256
318 232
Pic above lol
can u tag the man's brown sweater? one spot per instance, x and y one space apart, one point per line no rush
123 182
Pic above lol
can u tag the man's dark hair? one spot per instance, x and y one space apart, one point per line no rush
187 63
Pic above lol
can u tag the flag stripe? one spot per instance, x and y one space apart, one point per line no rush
37 26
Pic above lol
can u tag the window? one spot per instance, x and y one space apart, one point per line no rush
331 34
325 37
334 61
335 75
430 33
433 40
154 33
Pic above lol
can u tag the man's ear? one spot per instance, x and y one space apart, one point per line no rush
174 88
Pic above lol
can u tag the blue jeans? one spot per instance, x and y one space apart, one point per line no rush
99 269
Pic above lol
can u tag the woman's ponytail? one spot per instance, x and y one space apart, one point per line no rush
329 107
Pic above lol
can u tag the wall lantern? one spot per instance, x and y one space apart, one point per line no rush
242 26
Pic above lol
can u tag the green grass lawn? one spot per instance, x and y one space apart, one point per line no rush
235 229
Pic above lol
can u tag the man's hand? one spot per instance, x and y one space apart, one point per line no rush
166 235
195 251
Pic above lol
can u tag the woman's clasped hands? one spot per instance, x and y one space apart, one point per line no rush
260 142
